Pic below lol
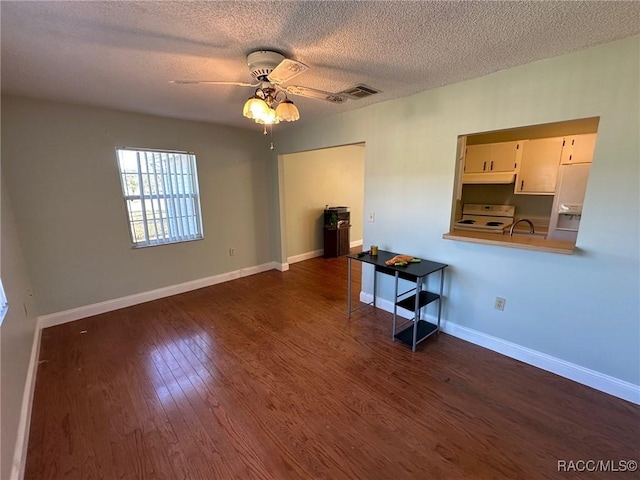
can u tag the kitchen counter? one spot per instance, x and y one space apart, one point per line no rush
518 240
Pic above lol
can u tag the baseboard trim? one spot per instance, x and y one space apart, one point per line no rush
44 321
73 314
316 253
305 256
585 376
283 267
22 441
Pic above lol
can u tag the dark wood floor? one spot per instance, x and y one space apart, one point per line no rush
265 377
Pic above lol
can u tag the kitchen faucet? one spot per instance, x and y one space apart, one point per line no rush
517 222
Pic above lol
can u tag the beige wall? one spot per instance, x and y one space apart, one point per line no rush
60 170
314 179
16 335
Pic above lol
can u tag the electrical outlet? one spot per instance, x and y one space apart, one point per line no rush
232 252
372 217
499 305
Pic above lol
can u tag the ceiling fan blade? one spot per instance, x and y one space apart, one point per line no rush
315 93
286 70
212 82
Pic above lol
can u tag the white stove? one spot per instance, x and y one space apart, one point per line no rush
485 218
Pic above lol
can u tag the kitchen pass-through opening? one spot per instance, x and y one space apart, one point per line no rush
535 177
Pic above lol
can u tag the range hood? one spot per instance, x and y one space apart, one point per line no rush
490 178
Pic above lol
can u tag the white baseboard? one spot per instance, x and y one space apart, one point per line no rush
65 316
316 253
305 256
591 378
283 267
44 321
22 441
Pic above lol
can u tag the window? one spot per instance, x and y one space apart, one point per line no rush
4 305
161 193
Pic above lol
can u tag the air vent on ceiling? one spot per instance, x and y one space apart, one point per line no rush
360 91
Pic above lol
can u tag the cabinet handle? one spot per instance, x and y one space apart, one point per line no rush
484 166
491 166
522 185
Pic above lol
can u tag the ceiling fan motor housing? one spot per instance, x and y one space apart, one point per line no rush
262 62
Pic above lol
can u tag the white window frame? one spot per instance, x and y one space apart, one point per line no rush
161 195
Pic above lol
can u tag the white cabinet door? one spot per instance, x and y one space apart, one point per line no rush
578 149
477 158
539 166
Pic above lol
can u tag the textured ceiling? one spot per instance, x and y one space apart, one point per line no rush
123 54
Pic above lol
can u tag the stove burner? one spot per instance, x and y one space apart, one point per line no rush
485 218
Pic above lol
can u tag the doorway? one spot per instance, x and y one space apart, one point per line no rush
309 182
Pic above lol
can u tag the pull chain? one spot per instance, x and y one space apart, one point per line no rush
264 132
271 131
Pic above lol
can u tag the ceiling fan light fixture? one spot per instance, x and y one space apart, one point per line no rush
268 117
287 111
269 104
255 108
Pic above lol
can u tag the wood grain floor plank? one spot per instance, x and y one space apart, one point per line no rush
150 434
247 444
265 377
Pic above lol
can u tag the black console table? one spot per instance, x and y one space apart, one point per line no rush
413 299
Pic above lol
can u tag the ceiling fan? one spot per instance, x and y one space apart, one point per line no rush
270 71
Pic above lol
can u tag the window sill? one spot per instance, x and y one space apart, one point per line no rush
137 246
517 241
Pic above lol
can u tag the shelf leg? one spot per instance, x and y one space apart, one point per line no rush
375 285
349 289
440 299
416 314
395 308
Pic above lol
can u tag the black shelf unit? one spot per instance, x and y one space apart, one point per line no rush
425 298
424 328
415 273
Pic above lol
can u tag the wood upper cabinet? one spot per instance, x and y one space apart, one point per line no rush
503 156
491 157
539 166
578 149
477 158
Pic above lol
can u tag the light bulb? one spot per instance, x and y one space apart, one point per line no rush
287 111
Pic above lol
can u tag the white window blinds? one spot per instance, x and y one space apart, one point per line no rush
161 194
3 303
